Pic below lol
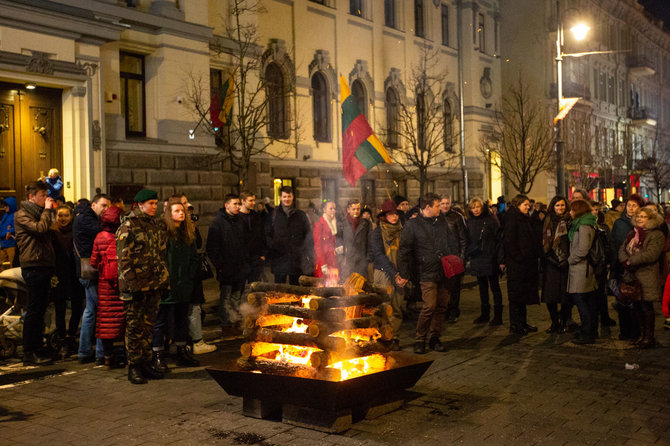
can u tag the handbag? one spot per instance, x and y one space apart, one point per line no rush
630 289
87 271
452 266
205 271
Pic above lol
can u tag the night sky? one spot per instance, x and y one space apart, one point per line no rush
659 8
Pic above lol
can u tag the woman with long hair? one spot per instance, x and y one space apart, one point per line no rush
556 246
523 249
640 255
325 239
482 252
182 264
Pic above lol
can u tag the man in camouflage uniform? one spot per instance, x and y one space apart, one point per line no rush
141 246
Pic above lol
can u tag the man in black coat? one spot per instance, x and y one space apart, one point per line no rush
423 242
456 225
253 227
288 235
227 251
354 239
86 226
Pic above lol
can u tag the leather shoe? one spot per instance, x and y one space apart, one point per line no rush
530 328
554 329
184 358
135 375
436 345
32 358
582 340
150 372
160 361
517 330
420 348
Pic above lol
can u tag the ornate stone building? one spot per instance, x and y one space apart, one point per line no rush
111 106
623 115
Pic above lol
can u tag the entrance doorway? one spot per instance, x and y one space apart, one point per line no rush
31 140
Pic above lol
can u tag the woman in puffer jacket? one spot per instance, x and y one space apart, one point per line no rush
640 254
110 320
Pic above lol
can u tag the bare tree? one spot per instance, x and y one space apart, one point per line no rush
420 137
655 168
249 134
586 155
522 137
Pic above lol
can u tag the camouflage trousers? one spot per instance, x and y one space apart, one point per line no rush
140 319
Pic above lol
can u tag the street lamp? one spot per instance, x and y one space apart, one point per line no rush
563 105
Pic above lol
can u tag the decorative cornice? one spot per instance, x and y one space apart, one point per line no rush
40 63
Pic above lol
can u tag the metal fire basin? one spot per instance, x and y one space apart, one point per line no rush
331 396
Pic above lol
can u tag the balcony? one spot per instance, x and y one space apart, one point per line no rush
572 90
639 65
641 116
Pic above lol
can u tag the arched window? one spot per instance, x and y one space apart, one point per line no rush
320 107
421 120
392 111
274 89
448 128
358 92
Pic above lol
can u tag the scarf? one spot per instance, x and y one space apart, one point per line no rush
32 209
332 224
586 219
634 243
391 238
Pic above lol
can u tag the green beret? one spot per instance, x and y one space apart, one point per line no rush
145 194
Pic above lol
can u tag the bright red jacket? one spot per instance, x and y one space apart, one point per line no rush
324 247
110 320
666 298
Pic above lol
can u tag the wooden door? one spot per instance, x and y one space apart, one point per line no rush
31 140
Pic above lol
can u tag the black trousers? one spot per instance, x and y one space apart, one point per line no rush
484 282
517 315
453 309
38 282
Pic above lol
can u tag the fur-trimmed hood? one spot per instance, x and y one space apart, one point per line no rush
655 220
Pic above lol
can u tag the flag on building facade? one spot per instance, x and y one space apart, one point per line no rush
221 106
361 149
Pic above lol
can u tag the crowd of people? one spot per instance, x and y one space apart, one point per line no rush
134 276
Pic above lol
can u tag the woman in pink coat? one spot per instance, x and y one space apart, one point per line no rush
110 320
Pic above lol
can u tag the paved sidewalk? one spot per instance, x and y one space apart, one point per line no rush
488 387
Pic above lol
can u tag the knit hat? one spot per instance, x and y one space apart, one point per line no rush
144 195
399 199
615 203
388 206
111 218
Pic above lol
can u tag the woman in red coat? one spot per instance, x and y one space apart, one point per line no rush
325 232
109 323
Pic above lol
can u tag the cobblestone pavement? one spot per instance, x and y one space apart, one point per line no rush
488 387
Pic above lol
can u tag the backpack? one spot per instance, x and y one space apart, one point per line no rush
597 255
109 269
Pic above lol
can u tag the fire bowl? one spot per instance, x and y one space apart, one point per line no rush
319 393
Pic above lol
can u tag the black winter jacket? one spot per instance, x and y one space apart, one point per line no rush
457 226
253 225
86 226
225 248
423 243
484 244
290 242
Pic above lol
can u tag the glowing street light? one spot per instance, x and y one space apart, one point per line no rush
580 30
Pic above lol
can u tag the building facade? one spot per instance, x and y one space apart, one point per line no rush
112 105
622 77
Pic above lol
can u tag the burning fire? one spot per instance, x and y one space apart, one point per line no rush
359 335
352 368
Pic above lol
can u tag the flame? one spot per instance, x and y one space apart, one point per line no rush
359 334
305 301
352 368
332 277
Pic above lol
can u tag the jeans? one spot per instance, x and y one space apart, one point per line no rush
177 312
38 283
229 304
195 322
587 305
435 297
484 282
88 322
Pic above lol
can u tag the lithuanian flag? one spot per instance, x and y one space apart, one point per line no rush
221 106
361 149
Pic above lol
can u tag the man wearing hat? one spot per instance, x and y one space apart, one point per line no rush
141 246
614 213
384 243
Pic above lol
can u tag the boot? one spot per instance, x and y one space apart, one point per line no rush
135 374
150 372
497 315
420 347
160 361
436 345
649 340
639 318
184 358
484 316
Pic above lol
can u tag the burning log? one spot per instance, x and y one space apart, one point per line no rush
347 301
301 339
311 281
285 368
296 289
257 349
261 298
268 320
286 314
324 358
317 327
